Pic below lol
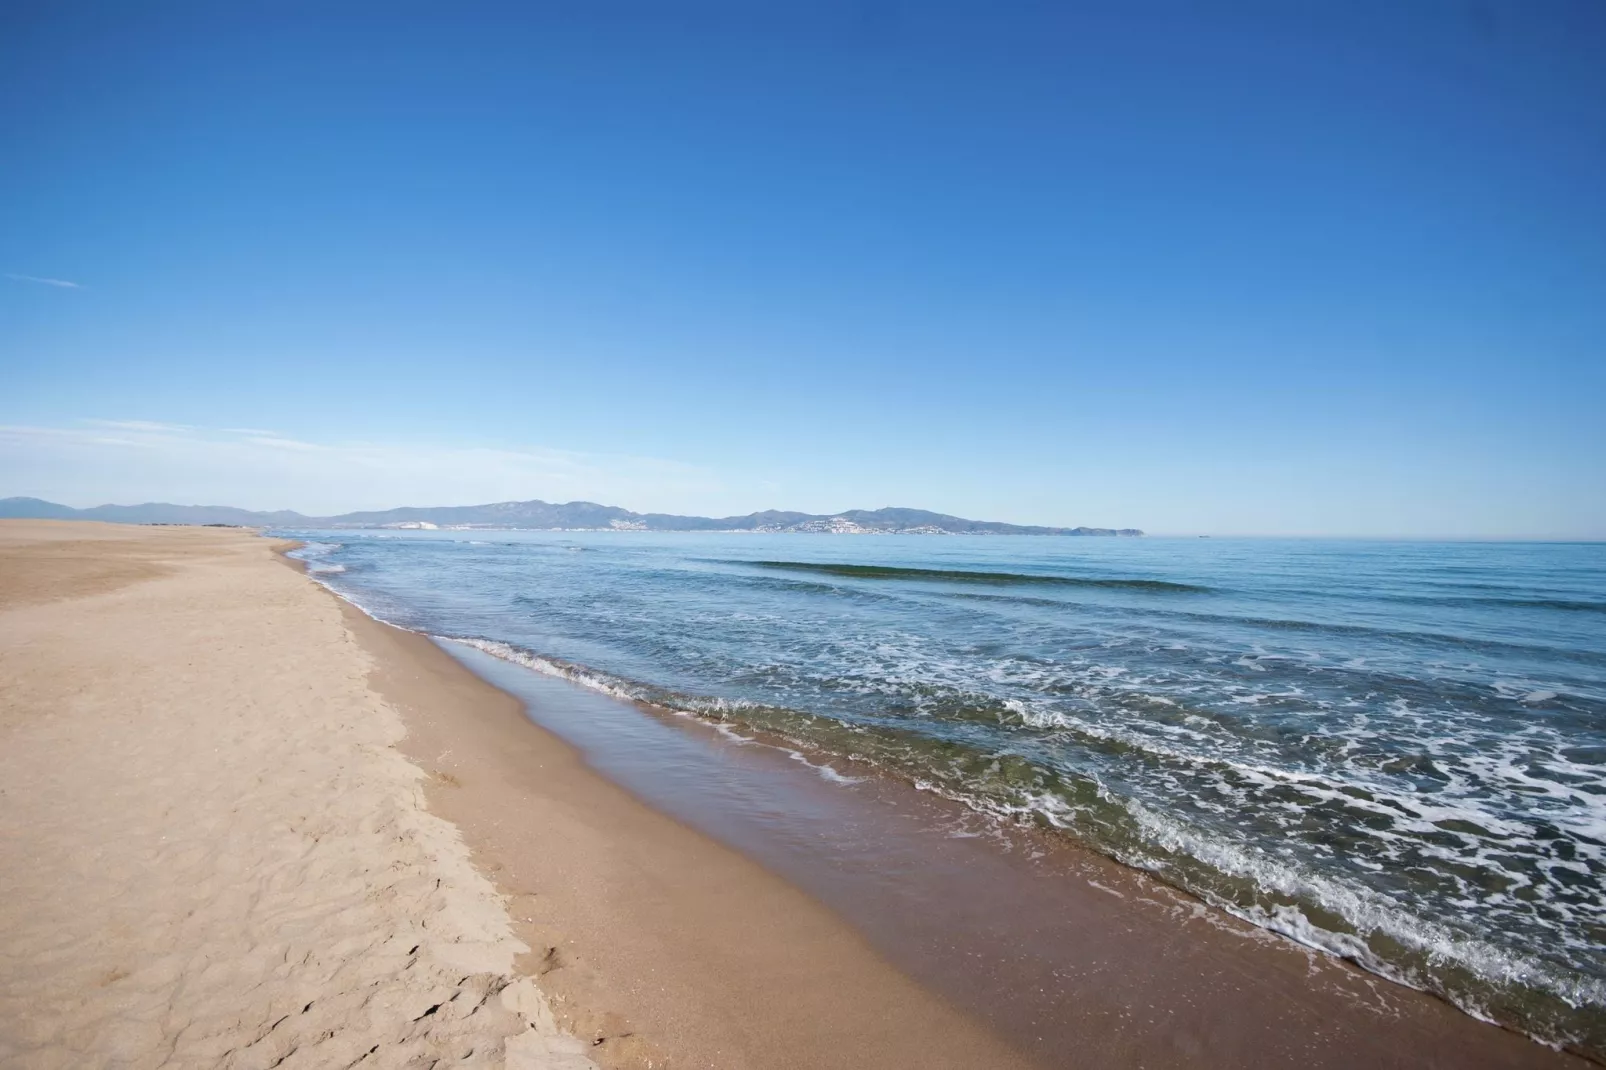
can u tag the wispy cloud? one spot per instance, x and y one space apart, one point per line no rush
93 461
278 442
142 425
63 283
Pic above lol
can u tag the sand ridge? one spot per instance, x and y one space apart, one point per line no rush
211 853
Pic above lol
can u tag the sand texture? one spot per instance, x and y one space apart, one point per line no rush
211 853
657 944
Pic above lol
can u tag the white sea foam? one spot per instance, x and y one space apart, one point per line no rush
1368 912
549 667
615 688
824 769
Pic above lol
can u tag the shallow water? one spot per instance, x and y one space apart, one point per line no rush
1392 751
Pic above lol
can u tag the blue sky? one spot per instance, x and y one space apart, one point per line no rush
1260 268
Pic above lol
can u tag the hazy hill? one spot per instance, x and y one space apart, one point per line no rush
548 516
149 513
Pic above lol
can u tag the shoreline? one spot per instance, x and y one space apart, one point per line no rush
653 941
234 801
1311 1009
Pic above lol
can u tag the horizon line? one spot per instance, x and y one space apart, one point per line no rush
1174 534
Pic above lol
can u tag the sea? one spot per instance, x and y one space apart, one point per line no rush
1394 752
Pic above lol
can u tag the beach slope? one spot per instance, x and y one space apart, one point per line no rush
211 853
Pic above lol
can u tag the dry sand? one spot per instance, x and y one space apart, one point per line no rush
211 853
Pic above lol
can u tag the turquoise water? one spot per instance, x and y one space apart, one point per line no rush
1395 752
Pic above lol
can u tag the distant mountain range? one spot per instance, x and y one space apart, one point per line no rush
546 516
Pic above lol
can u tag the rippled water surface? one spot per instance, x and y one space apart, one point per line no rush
1394 751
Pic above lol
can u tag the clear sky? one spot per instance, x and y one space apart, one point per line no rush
1236 267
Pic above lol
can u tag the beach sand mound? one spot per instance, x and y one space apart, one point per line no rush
210 852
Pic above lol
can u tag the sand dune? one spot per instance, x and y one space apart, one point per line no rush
210 852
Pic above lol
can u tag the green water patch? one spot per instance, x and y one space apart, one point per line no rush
893 572
944 756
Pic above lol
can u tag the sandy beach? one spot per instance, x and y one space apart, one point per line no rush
210 852
246 825
215 855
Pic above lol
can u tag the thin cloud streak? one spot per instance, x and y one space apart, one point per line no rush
95 461
143 425
62 283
